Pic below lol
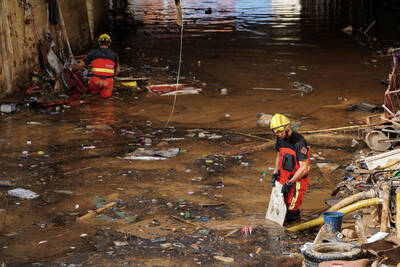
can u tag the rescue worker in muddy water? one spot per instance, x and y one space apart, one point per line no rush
105 65
292 165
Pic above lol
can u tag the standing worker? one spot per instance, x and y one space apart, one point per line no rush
105 65
291 166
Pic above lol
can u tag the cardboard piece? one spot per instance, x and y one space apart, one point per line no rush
276 208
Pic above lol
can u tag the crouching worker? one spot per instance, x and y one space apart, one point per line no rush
291 166
105 65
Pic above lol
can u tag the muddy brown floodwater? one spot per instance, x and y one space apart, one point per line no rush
74 160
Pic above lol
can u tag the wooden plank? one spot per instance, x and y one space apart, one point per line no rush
212 205
98 211
353 127
187 222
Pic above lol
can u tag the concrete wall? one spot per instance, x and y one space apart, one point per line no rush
97 13
23 25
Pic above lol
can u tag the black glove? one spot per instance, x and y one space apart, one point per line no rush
275 177
286 188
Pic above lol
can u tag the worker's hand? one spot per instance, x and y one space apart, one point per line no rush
275 177
286 188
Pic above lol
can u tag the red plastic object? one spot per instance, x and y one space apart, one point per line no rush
165 88
30 90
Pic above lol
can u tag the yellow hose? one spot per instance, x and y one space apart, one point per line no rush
398 215
320 220
354 198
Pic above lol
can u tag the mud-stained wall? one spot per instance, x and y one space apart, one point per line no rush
97 13
24 22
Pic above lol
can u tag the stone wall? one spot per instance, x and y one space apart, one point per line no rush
24 22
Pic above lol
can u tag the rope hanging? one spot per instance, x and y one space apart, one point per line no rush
180 23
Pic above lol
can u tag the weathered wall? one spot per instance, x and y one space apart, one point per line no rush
97 13
21 27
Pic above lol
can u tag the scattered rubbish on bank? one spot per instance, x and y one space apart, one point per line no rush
150 154
22 193
218 163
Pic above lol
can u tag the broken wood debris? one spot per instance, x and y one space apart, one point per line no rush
96 212
198 226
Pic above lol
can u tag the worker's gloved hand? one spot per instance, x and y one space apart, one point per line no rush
275 177
286 188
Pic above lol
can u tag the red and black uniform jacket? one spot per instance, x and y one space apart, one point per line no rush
292 150
104 62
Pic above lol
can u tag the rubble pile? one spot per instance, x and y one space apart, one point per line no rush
368 199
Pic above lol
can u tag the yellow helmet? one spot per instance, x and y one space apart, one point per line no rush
104 39
278 123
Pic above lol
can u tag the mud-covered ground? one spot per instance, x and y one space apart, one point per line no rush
75 160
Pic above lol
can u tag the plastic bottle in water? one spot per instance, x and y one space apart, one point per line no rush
7 108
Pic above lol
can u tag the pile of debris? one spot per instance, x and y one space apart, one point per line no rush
367 210
384 129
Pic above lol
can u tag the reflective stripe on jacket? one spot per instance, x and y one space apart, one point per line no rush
103 67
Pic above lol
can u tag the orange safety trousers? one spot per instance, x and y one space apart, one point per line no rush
104 87
294 198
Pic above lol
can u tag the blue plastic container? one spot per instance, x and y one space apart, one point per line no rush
333 221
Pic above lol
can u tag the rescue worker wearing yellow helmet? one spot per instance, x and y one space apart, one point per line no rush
105 65
292 164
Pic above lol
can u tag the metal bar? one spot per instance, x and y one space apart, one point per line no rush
64 29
